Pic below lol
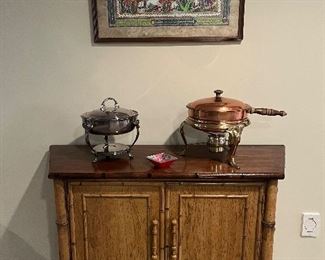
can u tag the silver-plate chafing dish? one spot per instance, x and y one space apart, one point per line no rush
110 121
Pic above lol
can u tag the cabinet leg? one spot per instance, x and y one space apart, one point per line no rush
62 220
268 223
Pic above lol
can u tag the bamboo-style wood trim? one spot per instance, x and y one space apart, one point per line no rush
174 240
72 224
258 234
162 223
149 241
243 256
104 195
167 221
158 181
100 182
210 196
154 238
269 220
62 220
180 214
214 183
84 213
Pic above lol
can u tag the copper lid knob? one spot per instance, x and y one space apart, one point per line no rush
218 93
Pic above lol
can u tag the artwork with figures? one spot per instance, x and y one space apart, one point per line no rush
167 20
144 13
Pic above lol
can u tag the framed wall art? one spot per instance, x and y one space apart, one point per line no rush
167 20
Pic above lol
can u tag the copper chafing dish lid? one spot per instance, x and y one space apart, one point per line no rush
218 109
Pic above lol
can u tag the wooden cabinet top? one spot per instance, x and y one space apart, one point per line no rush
255 161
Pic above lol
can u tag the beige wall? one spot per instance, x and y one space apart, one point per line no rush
51 73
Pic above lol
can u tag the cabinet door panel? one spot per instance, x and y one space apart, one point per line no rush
215 222
115 221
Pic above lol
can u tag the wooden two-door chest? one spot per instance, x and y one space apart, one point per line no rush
198 209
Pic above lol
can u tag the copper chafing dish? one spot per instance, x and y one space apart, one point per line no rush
223 119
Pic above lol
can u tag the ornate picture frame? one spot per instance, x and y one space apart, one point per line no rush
167 20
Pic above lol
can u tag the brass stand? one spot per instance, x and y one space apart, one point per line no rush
230 140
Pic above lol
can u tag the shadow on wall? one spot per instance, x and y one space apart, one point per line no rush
36 212
13 247
29 219
192 136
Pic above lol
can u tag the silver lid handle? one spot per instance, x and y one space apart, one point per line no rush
103 107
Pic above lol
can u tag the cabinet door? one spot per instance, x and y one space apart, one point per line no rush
119 221
215 222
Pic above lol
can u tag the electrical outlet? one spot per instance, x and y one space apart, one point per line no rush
310 224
